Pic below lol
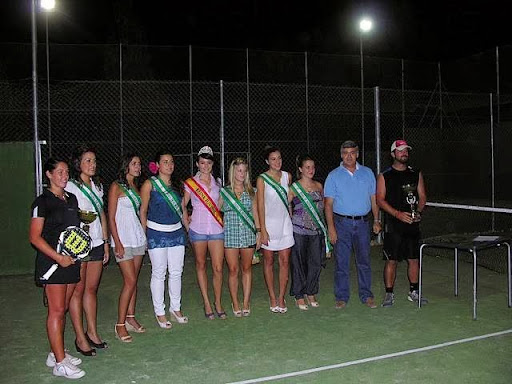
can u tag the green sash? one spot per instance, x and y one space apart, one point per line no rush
133 196
168 194
312 209
238 207
95 200
281 192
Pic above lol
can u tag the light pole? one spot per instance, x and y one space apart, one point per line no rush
365 25
48 6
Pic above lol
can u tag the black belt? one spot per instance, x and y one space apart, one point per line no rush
352 217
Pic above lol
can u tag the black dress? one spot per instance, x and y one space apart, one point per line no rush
58 215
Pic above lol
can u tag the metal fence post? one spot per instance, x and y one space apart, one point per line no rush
248 106
492 157
307 96
48 104
121 137
377 140
403 98
37 148
190 108
222 131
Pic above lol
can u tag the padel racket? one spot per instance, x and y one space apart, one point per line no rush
74 242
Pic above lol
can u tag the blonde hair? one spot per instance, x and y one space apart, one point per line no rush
247 181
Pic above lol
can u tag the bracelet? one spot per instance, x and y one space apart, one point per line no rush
106 241
258 229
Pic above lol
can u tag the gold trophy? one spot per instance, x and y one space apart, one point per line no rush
87 217
410 197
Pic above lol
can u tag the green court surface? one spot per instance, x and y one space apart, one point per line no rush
403 344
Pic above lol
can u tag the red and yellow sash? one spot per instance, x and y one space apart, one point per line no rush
205 198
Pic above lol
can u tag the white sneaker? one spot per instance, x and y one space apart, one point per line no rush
50 360
68 370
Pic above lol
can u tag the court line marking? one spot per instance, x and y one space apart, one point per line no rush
370 359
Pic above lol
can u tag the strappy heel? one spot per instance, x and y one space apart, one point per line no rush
131 328
163 324
124 339
179 319
236 313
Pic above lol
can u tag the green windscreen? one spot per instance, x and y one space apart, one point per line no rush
17 186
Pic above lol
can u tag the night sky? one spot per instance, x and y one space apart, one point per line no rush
410 29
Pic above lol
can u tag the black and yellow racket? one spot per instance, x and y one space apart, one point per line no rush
74 242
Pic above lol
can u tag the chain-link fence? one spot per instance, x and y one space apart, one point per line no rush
143 98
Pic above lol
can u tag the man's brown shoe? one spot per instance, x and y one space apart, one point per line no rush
340 304
370 303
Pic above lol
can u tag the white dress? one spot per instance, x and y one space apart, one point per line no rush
95 229
129 228
277 218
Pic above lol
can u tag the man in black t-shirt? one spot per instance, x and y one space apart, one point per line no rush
401 195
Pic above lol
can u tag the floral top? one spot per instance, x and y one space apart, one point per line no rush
302 222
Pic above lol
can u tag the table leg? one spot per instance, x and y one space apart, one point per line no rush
456 272
474 283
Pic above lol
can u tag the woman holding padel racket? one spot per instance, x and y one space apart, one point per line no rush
53 212
128 241
85 185
205 230
161 216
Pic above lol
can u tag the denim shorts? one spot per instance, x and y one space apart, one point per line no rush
195 237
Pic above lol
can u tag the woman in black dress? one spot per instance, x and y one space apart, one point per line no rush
52 212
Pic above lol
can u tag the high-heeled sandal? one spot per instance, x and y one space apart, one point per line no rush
124 339
221 315
282 309
246 312
163 324
273 309
131 328
102 345
179 319
236 313
314 303
209 316
89 353
302 307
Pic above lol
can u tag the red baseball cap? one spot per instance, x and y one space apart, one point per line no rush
400 145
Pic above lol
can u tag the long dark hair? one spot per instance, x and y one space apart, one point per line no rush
176 182
76 159
268 150
50 165
124 166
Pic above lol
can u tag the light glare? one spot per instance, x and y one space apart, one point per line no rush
48 5
365 25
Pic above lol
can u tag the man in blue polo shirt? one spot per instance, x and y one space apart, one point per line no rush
349 198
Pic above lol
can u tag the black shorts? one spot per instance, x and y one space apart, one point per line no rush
68 275
401 246
97 253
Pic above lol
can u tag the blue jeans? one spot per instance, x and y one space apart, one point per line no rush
352 234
